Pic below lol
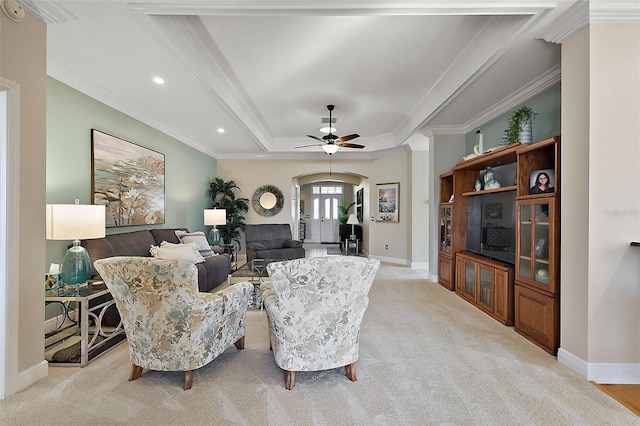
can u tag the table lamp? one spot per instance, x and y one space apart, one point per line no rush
75 222
215 217
353 220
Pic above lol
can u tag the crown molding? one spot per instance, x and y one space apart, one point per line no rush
571 21
50 12
614 11
343 7
542 83
319 155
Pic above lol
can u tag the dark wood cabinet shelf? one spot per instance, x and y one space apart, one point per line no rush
527 293
490 191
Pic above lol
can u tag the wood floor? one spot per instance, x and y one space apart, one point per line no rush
627 395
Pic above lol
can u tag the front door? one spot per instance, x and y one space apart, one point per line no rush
324 219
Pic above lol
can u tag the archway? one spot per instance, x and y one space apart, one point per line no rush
308 209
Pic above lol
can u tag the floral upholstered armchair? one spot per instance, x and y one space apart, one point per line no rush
314 308
170 326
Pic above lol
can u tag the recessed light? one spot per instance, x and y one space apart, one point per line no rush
327 129
158 80
220 130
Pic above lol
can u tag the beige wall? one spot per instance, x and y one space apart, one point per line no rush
251 174
419 182
614 195
600 212
23 63
574 277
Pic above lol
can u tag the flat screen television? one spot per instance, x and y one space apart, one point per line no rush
491 225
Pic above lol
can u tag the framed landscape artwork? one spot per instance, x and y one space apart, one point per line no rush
128 180
388 202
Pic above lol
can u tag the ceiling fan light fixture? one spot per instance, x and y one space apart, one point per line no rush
327 129
330 148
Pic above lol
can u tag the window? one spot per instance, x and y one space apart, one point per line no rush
327 190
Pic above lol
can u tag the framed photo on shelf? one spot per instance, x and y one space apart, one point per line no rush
388 205
128 180
542 181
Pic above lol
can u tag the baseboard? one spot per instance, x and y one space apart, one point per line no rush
420 265
28 377
603 372
402 262
573 363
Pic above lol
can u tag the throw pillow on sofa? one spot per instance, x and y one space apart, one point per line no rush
199 239
185 252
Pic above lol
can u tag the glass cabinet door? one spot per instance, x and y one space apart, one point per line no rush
469 279
535 256
486 287
445 228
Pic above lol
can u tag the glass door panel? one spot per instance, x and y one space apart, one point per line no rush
535 253
541 248
445 229
486 286
469 279
524 249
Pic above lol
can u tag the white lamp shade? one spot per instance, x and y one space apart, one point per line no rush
215 217
75 222
353 220
330 148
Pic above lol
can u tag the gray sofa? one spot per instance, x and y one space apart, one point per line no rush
211 273
272 241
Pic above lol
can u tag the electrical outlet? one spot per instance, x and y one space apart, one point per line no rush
386 246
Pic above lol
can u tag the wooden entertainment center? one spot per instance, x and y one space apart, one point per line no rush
524 292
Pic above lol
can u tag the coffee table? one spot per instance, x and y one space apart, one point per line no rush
255 272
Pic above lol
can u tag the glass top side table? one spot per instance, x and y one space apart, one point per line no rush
83 311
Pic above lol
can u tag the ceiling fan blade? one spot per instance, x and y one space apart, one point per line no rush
315 137
307 146
349 137
350 145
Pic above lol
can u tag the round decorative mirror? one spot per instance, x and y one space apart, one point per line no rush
267 200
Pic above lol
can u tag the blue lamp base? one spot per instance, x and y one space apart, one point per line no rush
214 236
76 266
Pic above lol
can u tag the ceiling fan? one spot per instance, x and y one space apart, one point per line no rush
330 142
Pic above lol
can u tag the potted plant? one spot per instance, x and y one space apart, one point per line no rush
223 197
520 118
343 215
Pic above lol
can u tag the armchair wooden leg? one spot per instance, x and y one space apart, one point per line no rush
136 372
290 381
240 343
351 371
188 379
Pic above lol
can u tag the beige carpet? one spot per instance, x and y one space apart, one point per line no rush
426 357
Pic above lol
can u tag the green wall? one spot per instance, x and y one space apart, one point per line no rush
70 117
546 124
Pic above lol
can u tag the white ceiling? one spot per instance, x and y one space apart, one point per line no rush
265 70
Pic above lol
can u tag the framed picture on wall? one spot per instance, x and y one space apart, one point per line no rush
359 205
388 205
128 180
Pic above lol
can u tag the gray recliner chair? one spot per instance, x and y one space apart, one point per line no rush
272 241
